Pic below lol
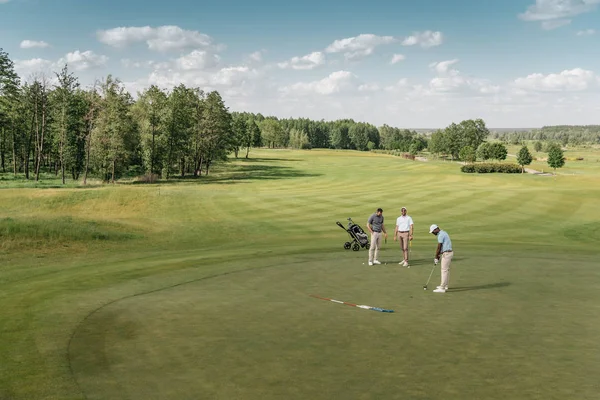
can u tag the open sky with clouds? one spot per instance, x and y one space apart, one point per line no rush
411 64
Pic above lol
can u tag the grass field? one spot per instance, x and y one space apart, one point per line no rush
201 289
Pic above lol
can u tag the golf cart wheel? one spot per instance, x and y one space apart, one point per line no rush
356 247
347 245
368 246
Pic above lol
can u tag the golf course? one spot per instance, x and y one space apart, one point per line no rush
201 288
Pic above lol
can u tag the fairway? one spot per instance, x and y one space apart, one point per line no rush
201 288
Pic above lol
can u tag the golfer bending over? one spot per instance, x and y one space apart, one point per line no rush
375 226
444 248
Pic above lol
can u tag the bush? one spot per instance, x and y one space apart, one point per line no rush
486 168
306 146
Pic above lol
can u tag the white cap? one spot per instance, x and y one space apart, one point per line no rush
433 228
403 208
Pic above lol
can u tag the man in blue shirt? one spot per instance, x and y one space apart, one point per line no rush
444 248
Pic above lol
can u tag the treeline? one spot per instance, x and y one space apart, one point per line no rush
303 133
574 135
56 126
63 129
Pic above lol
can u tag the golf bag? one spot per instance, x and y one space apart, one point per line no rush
358 236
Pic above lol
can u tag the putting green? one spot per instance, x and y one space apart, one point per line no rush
257 334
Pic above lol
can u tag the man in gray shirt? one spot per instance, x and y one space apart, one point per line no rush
376 227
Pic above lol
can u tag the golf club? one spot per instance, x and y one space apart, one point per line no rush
425 287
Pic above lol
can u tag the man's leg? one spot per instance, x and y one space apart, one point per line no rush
377 245
405 246
372 247
446 260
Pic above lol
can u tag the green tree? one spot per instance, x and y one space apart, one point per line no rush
359 135
150 112
524 158
556 157
256 135
414 149
239 132
217 130
484 151
298 139
472 132
272 133
437 143
537 146
114 136
340 136
68 123
467 154
498 151
454 140
9 109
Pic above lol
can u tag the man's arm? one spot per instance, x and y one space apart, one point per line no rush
438 251
396 231
383 229
411 231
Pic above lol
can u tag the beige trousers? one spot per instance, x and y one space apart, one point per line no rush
375 245
403 239
446 260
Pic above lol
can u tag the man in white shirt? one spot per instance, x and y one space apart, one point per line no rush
404 233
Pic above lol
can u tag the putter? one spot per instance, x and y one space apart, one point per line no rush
425 287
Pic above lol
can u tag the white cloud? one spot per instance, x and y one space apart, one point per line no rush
232 76
425 39
396 58
197 60
24 67
368 87
308 61
80 61
128 63
586 32
554 24
443 67
358 46
257 56
334 83
227 78
162 38
556 13
576 79
400 86
449 80
30 44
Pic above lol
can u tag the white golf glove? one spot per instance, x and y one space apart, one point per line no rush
435 261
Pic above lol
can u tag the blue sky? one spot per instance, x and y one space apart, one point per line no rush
415 64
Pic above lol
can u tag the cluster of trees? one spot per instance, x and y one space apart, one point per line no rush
303 133
556 158
466 141
60 127
55 125
574 135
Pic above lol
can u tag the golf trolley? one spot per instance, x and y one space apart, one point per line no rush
359 237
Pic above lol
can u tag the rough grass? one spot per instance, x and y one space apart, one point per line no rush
201 289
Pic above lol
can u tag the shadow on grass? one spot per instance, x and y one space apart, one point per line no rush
239 174
254 160
480 287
